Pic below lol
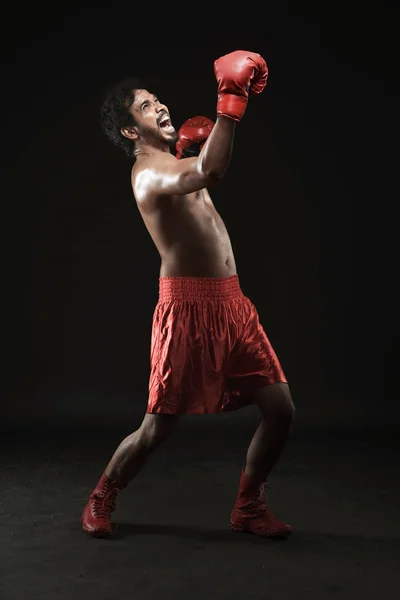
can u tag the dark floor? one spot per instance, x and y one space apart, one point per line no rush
339 490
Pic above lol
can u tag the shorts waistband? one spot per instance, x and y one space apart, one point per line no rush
199 288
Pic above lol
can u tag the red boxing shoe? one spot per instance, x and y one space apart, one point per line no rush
251 513
96 517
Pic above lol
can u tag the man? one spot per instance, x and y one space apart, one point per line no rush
209 352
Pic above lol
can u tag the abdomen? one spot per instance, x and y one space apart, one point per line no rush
192 239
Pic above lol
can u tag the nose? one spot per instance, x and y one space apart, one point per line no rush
161 107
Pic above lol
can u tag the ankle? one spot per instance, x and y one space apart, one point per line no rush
256 473
112 477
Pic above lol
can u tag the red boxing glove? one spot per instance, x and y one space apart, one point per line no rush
238 74
192 136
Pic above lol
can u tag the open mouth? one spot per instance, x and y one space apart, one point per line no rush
165 125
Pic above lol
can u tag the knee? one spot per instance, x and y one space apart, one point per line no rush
276 401
155 429
288 407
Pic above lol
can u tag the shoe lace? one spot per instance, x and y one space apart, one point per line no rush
257 505
105 503
259 495
260 501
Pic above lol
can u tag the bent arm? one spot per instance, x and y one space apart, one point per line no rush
216 153
166 175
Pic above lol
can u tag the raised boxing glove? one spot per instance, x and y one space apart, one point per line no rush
238 74
192 136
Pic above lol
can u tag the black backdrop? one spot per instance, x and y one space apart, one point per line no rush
299 200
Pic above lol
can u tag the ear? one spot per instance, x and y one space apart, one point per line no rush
130 133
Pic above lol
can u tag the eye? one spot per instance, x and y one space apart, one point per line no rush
145 105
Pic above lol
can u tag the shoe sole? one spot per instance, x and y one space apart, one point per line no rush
241 529
96 534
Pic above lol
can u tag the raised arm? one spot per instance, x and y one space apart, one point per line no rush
165 174
238 74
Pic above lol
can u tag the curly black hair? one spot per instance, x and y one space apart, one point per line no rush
115 112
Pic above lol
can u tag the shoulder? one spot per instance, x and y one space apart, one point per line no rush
141 175
147 172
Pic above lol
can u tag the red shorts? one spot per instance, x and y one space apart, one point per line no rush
209 353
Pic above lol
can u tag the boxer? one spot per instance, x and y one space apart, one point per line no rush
209 352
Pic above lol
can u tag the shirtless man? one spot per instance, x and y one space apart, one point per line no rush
209 352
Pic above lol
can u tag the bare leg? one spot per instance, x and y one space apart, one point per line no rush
133 451
277 409
251 513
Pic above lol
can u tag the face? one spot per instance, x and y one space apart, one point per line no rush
153 123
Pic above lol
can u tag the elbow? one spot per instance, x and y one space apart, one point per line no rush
211 175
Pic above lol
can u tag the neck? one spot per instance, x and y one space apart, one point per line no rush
146 149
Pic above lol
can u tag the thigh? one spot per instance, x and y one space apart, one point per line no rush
189 350
254 363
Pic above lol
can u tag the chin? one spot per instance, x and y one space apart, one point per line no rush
171 140
173 137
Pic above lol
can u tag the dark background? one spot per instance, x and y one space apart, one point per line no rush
303 202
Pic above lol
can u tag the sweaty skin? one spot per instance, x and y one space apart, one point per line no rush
173 199
189 234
